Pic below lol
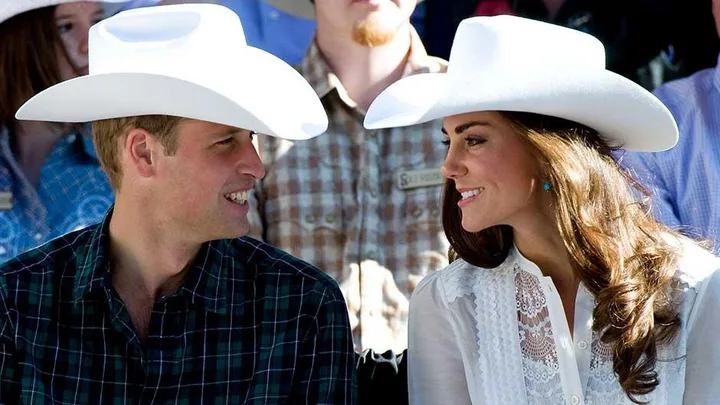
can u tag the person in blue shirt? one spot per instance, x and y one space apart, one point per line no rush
684 181
50 181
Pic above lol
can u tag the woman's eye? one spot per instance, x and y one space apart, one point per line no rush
63 28
474 141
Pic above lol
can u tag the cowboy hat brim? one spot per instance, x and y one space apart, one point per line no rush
284 105
299 8
17 7
624 113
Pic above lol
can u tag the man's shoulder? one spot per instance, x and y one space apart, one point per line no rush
685 94
270 261
37 267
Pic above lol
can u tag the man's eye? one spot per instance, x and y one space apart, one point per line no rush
226 141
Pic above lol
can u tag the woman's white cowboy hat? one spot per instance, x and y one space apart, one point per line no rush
11 8
508 63
299 8
188 60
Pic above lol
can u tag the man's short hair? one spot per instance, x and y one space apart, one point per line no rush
110 134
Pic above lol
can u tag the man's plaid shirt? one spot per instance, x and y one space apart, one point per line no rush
250 325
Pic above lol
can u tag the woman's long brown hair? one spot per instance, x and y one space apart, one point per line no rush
616 247
29 49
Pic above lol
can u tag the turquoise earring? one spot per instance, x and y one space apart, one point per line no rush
546 186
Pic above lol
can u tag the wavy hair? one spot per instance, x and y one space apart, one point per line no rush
615 246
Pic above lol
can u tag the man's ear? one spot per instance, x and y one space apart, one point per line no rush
139 146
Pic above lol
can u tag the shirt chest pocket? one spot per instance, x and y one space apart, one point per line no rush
422 208
292 219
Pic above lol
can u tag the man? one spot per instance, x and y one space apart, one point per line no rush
685 180
361 205
162 302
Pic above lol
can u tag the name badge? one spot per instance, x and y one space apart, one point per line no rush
408 179
6 202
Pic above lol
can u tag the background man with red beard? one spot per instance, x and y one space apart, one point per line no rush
361 205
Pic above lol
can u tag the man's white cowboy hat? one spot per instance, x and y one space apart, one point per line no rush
299 8
11 8
508 63
187 60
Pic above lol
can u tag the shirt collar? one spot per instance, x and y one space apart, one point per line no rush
524 263
92 262
316 70
204 285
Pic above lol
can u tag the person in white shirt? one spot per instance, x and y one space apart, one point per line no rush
565 289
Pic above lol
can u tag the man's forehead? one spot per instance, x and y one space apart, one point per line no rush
209 127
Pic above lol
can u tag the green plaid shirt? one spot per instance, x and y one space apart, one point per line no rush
250 325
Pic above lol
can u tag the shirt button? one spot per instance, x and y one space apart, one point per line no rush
582 345
38 237
329 218
310 219
574 399
273 14
373 193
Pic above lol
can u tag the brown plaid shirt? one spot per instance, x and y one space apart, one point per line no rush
362 205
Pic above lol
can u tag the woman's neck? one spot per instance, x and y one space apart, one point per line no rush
32 142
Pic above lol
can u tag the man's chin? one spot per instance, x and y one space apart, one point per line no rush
372 33
230 232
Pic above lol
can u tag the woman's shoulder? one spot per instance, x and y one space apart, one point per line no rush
697 264
460 278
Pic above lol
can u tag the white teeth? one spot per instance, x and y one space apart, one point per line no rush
472 193
240 197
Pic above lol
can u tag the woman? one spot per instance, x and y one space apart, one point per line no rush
50 181
565 290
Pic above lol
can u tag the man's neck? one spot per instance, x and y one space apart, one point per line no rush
147 259
364 71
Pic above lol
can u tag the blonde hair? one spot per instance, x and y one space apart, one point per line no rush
108 136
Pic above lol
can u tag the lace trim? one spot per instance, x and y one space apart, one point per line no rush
459 280
541 367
